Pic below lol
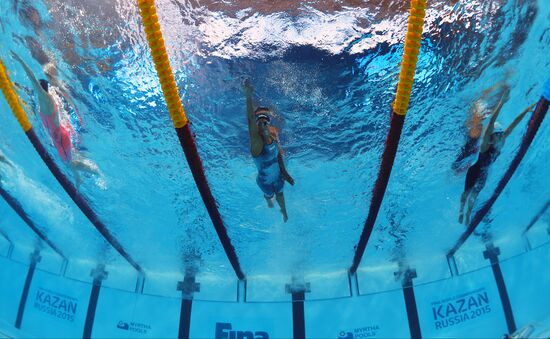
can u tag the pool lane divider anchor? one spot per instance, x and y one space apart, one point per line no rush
35 258
241 291
353 284
298 290
98 274
399 111
491 253
17 109
532 128
176 110
533 221
188 288
406 276
140 283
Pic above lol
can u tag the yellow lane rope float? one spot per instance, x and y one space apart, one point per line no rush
410 56
13 99
149 17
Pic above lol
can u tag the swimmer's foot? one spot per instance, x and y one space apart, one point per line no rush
269 201
285 216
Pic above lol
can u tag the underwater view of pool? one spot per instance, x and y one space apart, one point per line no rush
126 213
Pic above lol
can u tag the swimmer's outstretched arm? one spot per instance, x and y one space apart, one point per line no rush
46 103
256 142
517 120
491 126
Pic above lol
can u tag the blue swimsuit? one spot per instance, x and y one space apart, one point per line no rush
269 177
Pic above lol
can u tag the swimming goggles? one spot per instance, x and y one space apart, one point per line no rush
262 116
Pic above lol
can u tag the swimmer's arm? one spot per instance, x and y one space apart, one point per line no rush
501 83
46 104
28 71
282 168
256 143
491 89
491 126
517 120
73 105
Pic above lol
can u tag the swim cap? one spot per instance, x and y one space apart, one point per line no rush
546 90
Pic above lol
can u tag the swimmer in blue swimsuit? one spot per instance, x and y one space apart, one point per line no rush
267 152
490 148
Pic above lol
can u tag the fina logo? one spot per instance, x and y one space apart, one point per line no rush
223 331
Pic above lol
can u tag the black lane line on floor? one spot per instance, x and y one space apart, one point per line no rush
35 258
188 288
99 275
185 318
492 255
537 217
78 199
16 206
532 127
410 304
298 316
194 161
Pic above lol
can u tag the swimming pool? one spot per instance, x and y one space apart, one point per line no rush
329 71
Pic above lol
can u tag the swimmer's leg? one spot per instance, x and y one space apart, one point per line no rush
269 201
82 164
471 202
77 178
281 201
462 202
85 165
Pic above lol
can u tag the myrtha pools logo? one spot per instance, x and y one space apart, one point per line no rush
224 331
134 327
361 332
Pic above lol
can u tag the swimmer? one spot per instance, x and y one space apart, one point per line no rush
62 133
478 112
491 145
267 152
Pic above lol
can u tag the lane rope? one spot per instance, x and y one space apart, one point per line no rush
410 56
13 99
167 80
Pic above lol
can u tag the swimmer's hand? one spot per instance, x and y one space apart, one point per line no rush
15 56
247 86
288 178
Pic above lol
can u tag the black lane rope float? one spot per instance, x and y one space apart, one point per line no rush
399 110
16 206
167 81
532 128
15 104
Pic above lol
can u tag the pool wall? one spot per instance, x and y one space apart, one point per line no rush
466 305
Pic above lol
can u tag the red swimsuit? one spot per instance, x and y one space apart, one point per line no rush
60 134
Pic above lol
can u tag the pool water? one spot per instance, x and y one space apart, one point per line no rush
328 70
